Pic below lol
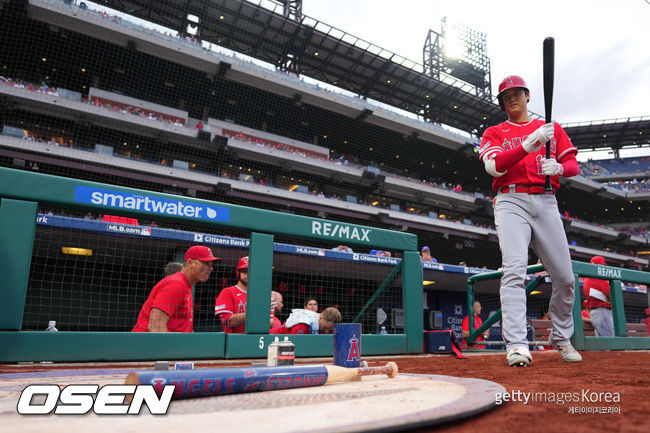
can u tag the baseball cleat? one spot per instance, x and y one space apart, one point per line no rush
519 357
569 353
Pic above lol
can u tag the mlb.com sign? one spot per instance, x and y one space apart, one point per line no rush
154 205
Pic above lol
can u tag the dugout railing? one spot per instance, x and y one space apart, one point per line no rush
579 340
21 192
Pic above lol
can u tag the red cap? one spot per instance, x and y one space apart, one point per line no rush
598 260
199 252
647 311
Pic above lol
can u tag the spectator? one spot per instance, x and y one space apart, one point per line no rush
477 322
463 264
172 267
169 306
311 304
302 321
343 249
426 255
598 302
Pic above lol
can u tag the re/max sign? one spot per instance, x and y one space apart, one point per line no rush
78 399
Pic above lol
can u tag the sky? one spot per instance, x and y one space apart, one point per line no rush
602 47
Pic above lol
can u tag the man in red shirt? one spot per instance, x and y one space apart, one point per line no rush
303 321
230 305
477 322
525 214
169 305
276 308
598 302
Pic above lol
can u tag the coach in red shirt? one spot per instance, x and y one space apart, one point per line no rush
169 306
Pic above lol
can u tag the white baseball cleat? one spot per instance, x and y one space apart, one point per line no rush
569 353
519 357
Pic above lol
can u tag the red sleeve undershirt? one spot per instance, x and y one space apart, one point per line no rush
507 159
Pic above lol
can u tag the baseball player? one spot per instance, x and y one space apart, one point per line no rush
513 153
598 302
169 307
302 321
477 324
276 308
230 305
647 319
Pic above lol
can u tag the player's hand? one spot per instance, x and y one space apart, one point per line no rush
550 167
538 138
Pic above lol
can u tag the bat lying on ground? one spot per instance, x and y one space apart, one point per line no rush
221 381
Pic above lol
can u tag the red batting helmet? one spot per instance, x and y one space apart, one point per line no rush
511 82
597 260
242 264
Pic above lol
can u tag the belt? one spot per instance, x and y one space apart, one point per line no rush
527 189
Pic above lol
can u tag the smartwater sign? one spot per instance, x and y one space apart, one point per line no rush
153 205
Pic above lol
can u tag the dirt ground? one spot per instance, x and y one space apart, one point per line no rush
623 372
613 382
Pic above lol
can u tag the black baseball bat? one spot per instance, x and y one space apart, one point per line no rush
221 381
549 66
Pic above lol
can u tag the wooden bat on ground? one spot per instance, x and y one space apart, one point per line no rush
221 381
549 66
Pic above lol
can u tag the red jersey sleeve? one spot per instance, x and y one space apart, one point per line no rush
277 326
170 298
564 145
224 305
490 144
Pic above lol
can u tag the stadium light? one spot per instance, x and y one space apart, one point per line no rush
454 39
75 251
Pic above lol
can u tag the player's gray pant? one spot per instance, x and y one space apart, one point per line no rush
602 321
522 219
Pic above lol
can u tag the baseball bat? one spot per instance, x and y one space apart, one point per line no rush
549 67
222 381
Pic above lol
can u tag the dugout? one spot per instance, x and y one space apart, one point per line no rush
125 258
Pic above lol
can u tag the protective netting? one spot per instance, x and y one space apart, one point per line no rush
94 273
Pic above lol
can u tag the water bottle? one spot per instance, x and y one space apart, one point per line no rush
383 330
51 326
272 354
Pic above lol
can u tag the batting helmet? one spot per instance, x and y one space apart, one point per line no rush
242 264
510 82
598 260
